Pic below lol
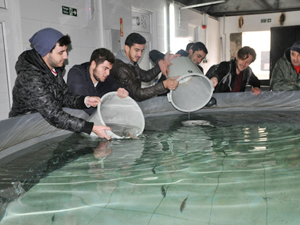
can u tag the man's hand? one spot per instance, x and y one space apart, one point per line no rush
100 131
256 90
122 93
165 63
171 83
169 57
164 67
214 81
92 101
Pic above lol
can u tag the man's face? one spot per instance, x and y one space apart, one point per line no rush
197 56
134 53
101 72
242 64
295 58
57 57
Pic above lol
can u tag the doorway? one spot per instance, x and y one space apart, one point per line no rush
4 90
142 24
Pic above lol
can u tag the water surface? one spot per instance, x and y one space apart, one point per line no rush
225 168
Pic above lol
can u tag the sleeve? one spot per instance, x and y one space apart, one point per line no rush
211 71
220 71
126 77
147 75
76 83
254 81
50 107
278 81
155 56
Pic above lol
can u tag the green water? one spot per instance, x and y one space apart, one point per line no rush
236 168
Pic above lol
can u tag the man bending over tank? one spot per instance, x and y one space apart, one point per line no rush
128 74
40 87
93 78
235 75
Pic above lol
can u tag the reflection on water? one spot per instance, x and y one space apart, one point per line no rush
242 169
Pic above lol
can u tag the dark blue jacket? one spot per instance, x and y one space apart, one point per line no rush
80 83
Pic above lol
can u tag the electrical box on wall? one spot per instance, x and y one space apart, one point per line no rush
141 22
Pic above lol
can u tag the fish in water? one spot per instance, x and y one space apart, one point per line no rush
153 170
163 191
190 123
132 136
183 204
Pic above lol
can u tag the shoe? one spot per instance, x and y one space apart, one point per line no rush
211 102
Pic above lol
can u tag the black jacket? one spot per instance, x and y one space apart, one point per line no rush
80 83
227 77
38 90
155 56
131 77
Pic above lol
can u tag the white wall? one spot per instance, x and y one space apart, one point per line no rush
229 25
116 9
189 24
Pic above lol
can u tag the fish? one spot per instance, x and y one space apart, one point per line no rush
153 170
132 136
163 191
190 123
183 204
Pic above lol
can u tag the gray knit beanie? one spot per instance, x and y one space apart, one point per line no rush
296 46
44 40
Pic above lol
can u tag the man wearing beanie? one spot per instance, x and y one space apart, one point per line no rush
285 75
40 87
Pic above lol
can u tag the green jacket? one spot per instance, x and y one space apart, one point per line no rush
284 76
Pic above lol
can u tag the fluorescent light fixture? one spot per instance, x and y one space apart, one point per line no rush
202 4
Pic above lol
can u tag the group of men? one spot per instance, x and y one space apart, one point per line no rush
40 86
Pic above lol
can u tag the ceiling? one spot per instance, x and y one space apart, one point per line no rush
241 7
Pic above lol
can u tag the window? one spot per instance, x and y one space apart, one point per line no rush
260 42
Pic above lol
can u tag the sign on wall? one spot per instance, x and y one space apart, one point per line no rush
69 11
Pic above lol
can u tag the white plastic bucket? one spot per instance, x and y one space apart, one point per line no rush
122 115
194 90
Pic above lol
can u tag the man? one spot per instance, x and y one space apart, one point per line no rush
92 78
128 74
235 75
285 75
197 52
40 87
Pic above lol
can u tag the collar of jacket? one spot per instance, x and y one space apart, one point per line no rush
35 59
121 55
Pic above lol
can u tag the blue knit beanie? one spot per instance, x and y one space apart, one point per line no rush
296 46
44 40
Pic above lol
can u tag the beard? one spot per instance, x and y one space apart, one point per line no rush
95 76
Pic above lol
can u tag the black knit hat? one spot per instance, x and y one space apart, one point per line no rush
296 46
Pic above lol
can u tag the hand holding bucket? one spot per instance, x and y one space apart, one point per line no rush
194 90
122 115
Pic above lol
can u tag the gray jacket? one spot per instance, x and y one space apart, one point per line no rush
284 76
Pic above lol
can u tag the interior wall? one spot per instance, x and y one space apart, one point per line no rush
195 26
22 19
116 9
229 25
